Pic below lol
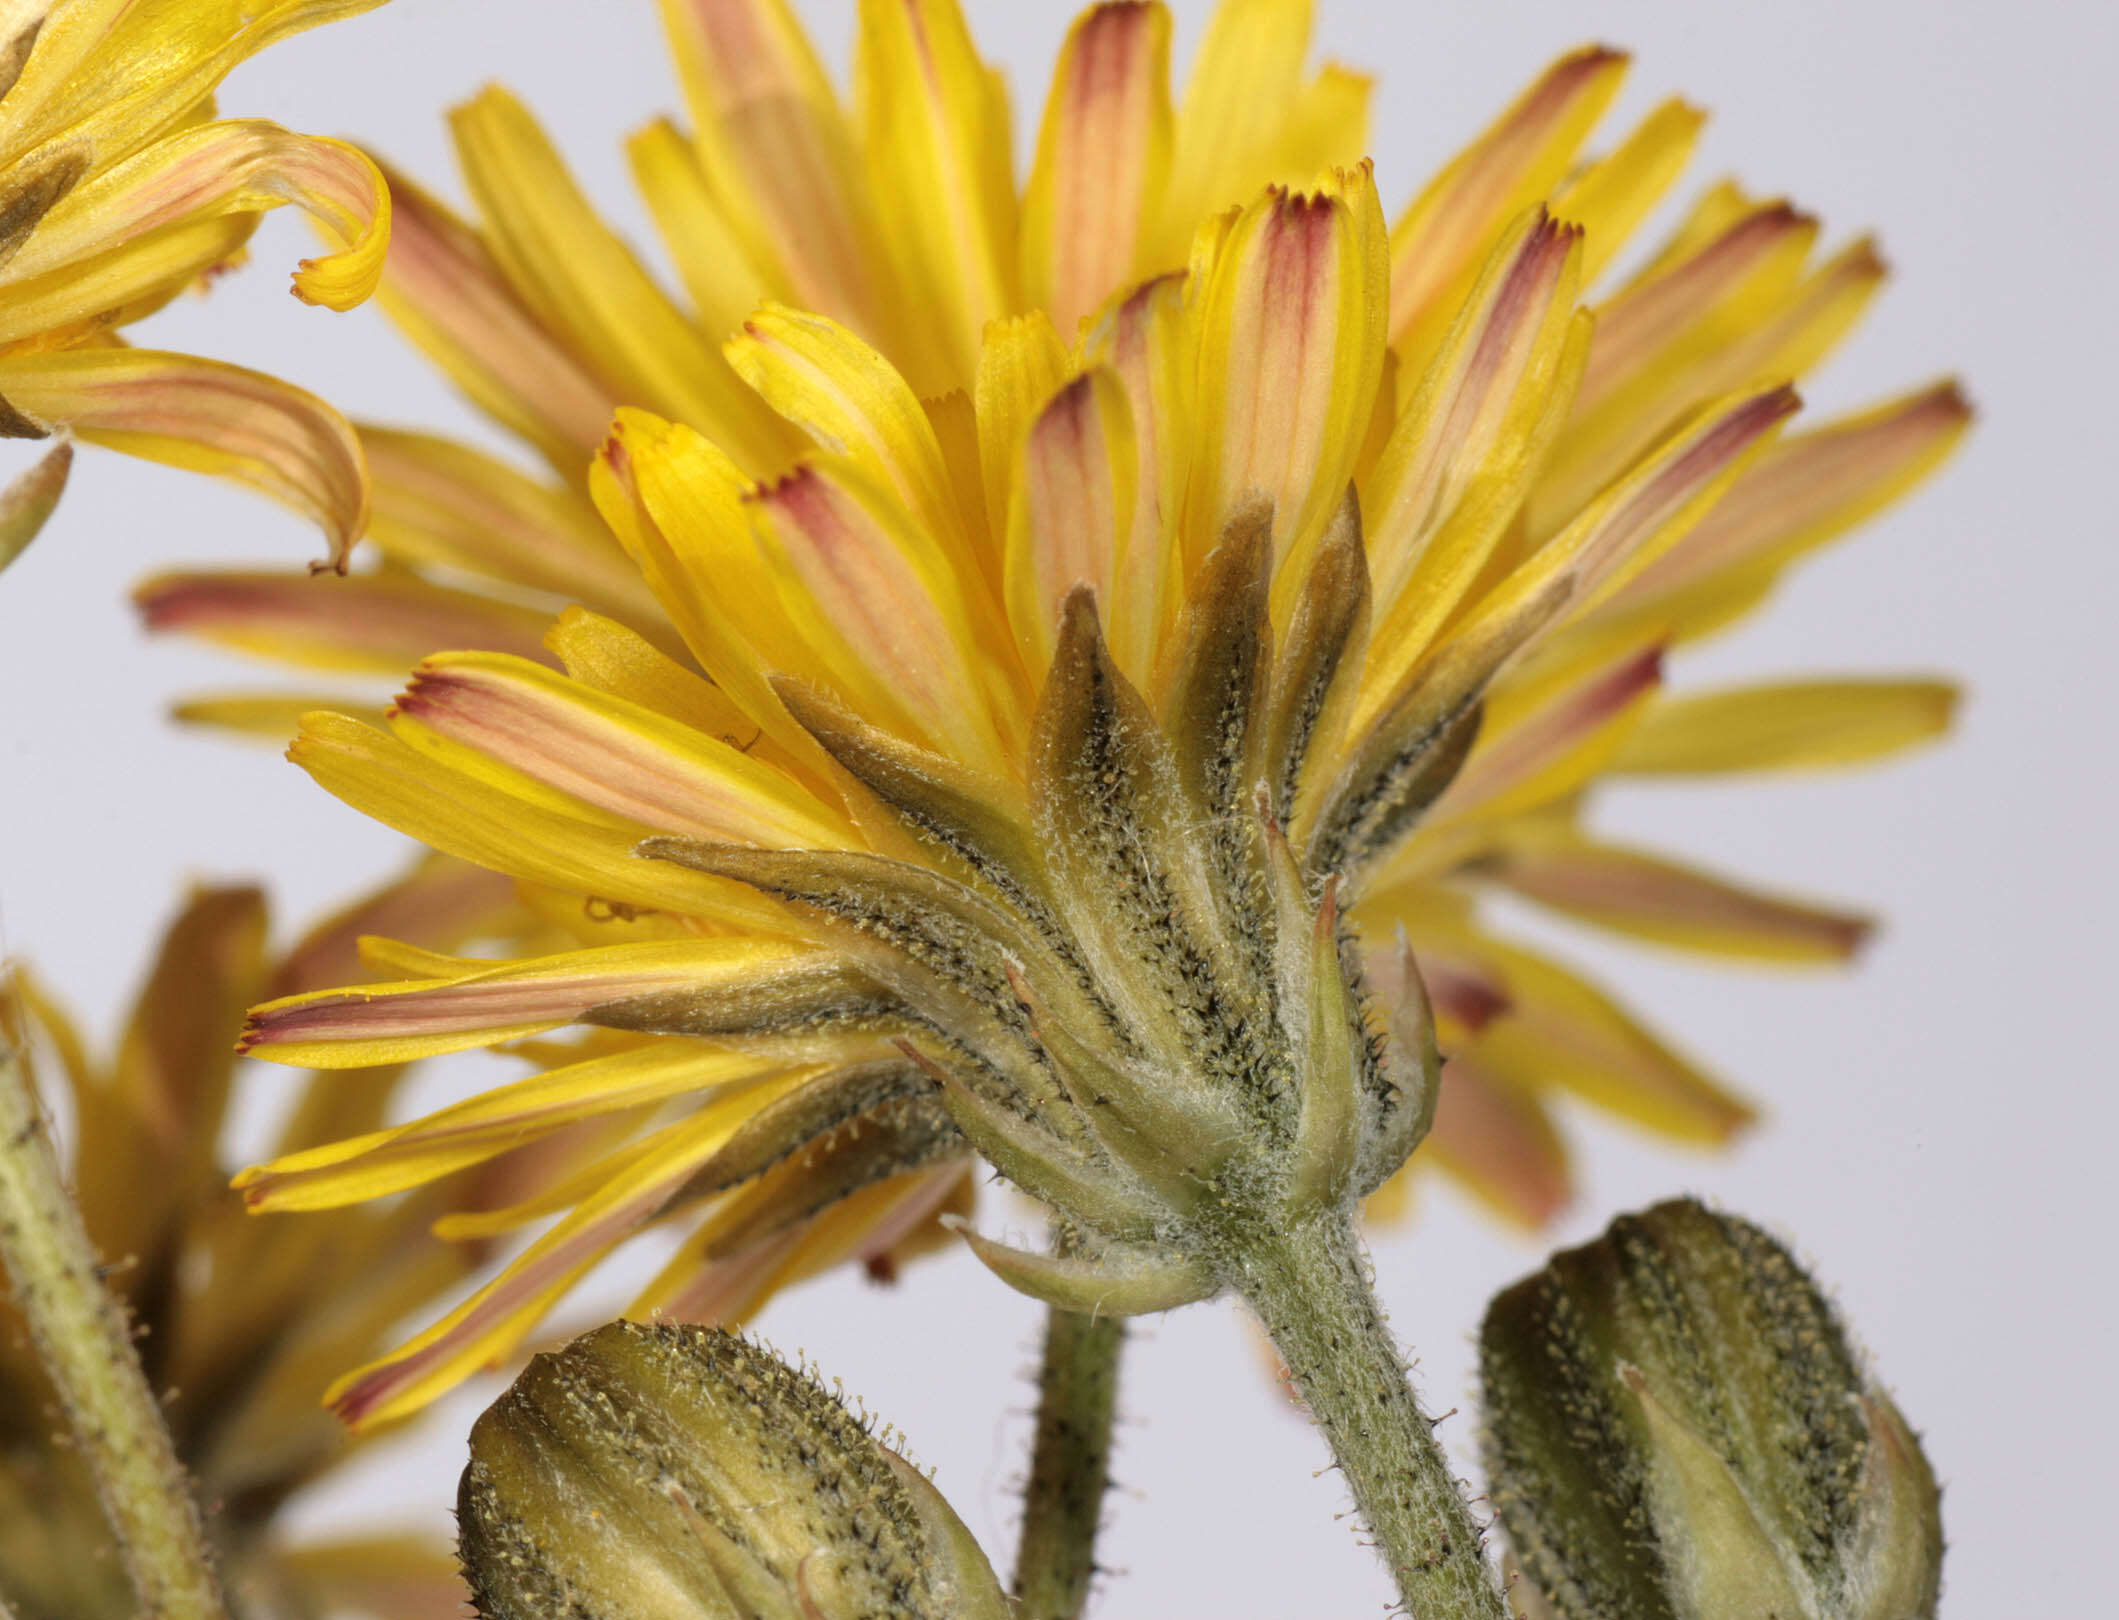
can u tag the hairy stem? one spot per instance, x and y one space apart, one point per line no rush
1309 1284
82 1336
1070 1464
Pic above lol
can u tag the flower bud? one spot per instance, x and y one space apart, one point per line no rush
682 1473
1677 1429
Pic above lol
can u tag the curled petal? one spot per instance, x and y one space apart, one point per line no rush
208 417
235 167
369 624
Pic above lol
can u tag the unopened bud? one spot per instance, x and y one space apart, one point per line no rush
682 1473
1677 1429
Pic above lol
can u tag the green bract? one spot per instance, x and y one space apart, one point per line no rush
1679 1430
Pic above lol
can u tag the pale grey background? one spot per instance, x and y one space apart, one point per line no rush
1942 1131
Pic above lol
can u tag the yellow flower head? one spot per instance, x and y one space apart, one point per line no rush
119 190
1098 643
237 1323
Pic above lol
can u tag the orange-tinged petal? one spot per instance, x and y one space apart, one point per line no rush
1498 1141
198 414
614 754
387 1023
1807 490
1103 156
1441 240
369 624
1659 347
233 167
1548 753
475 819
390 1161
883 619
1791 725
853 402
584 282
1291 355
1144 341
442 288
1622 531
939 142
492 1322
447 505
1633 892
1459 462
1074 507
776 149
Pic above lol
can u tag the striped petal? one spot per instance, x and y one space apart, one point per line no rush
939 141
210 171
613 754
390 1023
1805 492
1103 157
1074 507
199 414
879 613
1290 359
1248 67
1793 725
444 291
381 1163
442 504
1439 243
585 283
1459 463
776 148
368 624
1549 751
1632 892
496 1319
478 819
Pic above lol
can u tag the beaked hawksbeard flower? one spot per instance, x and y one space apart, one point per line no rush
237 1324
1066 657
120 190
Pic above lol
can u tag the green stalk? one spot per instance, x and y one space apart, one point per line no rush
1070 1464
1309 1283
82 1336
